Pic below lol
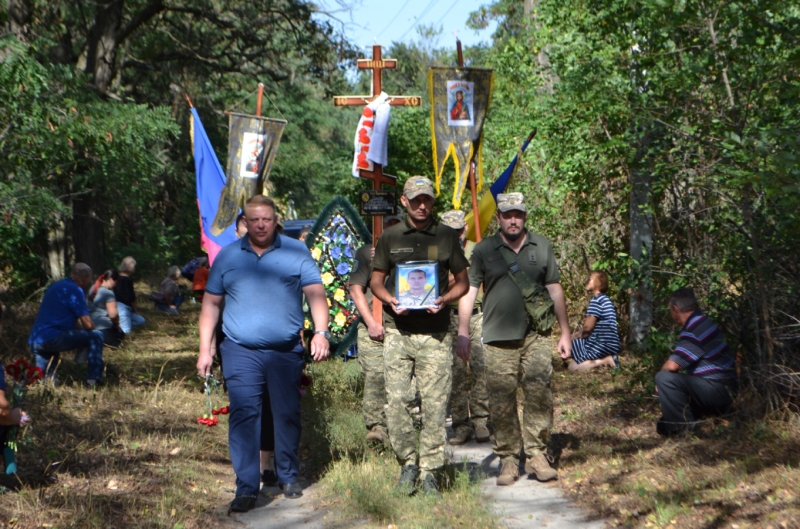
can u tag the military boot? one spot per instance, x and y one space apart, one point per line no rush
408 477
540 465
508 474
378 434
430 486
461 436
482 433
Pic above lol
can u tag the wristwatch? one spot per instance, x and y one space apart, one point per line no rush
326 334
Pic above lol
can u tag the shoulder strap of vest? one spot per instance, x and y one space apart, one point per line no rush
517 274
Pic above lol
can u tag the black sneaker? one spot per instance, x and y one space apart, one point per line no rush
429 486
242 504
269 478
408 477
292 490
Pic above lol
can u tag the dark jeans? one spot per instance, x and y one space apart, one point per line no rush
46 354
685 397
249 374
267 425
176 300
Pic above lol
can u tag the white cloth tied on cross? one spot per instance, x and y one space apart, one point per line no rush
372 135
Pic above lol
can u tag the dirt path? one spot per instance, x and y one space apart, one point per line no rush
273 511
527 503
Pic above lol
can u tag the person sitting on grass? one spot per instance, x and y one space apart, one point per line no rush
168 298
597 344
709 383
63 306
200 279
103 307
129 316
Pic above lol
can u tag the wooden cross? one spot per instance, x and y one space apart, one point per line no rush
377 64
378 179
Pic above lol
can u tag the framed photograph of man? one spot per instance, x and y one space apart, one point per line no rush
417 284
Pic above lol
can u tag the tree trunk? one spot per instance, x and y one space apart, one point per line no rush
101 45
56 251
20 13
88 233
641 248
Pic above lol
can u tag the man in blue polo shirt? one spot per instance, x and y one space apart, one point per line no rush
709 383
262 278
64 305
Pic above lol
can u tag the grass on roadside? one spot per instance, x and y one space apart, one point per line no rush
127 455
734 472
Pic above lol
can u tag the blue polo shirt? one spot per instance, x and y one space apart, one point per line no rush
62 305
263 295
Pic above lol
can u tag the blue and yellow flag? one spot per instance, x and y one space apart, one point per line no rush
487 205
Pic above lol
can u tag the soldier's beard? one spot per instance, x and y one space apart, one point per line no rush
513 236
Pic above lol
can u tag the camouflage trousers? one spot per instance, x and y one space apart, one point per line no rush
425 358
370 358
526 364
469 397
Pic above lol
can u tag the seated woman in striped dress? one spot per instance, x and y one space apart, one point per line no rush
597 344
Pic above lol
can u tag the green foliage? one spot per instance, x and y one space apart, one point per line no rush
61 142
699 100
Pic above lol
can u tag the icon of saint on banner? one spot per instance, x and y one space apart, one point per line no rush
252 149
460 100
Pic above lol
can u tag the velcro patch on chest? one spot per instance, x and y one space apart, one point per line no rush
401 250
433 253
531 256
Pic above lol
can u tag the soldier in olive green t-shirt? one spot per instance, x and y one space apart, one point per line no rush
516 355
469 400
370 342
417 344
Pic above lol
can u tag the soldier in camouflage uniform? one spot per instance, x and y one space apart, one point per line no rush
418 345
468 398
516 355
370 341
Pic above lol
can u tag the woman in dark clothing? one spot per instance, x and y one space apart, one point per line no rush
103 307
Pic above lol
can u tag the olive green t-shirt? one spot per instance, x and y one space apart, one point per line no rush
504 314
363 272
468 249
402 243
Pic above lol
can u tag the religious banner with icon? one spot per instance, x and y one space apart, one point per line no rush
459 102
333 240
252 145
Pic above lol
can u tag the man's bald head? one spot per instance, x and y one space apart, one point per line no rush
81 274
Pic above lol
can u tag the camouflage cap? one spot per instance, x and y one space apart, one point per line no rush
454 219
416 186
398 217
511 201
